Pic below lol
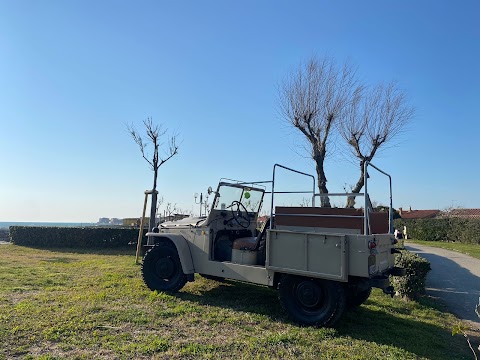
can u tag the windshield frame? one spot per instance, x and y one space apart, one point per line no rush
216 205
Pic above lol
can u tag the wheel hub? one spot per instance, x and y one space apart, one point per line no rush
309 294
165 267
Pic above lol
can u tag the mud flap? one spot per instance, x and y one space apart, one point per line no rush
383 282
398 271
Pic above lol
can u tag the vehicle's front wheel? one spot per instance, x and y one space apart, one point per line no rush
312 302
162 270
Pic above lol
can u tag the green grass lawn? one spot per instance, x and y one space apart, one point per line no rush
469 249
81 305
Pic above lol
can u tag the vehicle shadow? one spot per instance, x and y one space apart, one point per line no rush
383 326
239 297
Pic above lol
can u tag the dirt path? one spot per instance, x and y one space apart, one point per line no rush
454 279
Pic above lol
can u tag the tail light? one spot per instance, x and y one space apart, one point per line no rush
372 244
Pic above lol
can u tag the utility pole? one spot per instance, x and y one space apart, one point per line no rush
201 201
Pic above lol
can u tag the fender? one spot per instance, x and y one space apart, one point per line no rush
182 248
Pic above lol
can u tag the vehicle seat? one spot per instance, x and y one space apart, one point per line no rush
246 243
251 243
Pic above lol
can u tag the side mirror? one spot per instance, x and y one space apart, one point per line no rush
210 190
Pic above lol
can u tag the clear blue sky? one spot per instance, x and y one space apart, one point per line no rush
73 73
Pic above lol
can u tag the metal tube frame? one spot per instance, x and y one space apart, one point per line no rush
273 188
366 216
390 209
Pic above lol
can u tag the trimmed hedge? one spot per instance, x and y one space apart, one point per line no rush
443 229
4 235
73 237
412 285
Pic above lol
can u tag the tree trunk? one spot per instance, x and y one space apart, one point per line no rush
153 211
153 207
322 182
356 189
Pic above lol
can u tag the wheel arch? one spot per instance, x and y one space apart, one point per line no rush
182 248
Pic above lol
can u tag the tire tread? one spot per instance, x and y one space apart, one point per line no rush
151 280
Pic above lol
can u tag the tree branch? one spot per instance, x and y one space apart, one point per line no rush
154 133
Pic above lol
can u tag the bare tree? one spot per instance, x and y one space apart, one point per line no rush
374 118
170 209
305 202
312 99
160 201
154 133
184 212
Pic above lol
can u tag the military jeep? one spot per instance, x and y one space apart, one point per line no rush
321 260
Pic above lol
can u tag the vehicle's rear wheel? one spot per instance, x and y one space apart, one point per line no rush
162 270
312 302
356 297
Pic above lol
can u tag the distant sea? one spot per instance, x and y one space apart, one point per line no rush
6 225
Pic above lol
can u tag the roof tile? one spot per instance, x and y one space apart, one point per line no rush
419 214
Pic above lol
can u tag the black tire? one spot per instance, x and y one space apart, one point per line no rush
356 297
162 270
312 302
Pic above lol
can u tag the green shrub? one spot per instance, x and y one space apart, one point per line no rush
72 237
424 229
465 230
412 285
442 229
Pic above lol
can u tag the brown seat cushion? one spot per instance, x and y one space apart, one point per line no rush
245 243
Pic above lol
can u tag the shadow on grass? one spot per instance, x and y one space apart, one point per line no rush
418 337
386 326
239 297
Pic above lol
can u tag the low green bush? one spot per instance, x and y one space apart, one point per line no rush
73 237
412 285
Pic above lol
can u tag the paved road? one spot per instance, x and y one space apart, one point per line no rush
454 279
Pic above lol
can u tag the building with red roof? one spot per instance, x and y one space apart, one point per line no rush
418 214
465 213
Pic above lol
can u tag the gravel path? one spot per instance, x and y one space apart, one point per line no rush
455 279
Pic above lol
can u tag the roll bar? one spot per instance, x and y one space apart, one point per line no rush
367 203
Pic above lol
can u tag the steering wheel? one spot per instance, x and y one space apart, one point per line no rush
238 215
